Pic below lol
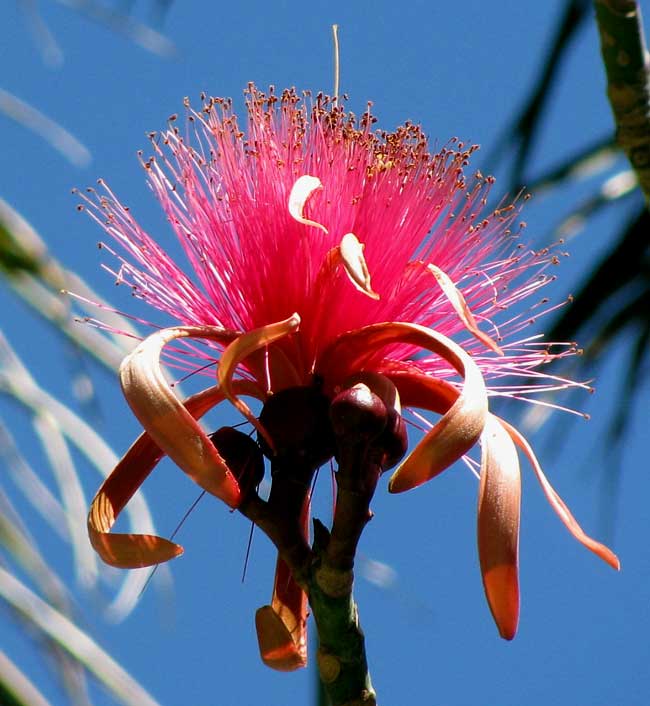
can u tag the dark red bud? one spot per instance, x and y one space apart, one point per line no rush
297 421
357 413
393 441
243 456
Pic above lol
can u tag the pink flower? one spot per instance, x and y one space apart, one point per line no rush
318 248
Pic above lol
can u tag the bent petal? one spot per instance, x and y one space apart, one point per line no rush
127 551
499 504
351 252
556 502
460 427
243 346
303 188
457 300
130 551
170 425
423 391
282 626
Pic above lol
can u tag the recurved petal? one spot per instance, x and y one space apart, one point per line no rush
499 503
556 502
129 551
170 425
457 300
423 391
303 188
282 626
355 265
459 428
243 346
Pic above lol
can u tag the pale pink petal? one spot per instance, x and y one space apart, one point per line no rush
461 426
461 308
423 391
499 504
129 551
282 626
556 502
355 264
169 424
303 188
237 352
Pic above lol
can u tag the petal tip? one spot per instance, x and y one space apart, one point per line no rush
278 649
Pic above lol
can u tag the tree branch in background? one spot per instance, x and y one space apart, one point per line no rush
627 64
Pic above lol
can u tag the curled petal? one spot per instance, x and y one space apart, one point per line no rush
556 502
129 551
351 252
499 504
243 346
304 187
282 626
170 425
460 427
461 308
273 366
423 391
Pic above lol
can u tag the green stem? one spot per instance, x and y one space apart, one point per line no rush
342 661
627 65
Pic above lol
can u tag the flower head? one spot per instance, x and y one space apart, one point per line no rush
318 249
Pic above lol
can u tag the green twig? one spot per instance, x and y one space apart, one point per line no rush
342 661
627 64
363 429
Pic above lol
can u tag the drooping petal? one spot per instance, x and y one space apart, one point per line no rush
423 391
556 502
273 368
170 425
460 427
303 188
457 300
355 265
499 504
282 626
239 350
129 551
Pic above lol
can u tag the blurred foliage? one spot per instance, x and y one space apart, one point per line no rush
612 304
32 589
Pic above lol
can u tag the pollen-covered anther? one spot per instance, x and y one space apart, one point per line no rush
301 191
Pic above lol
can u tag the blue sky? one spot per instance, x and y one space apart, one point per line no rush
459 69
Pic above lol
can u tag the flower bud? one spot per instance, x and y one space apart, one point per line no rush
393 441
357 413
370 409
243 456
297 421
